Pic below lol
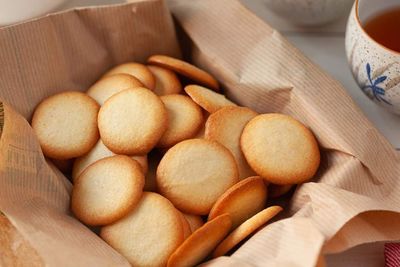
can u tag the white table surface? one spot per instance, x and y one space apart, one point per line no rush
325 46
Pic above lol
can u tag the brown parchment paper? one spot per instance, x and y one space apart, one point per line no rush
354 198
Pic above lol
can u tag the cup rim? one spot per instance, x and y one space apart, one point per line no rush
363 30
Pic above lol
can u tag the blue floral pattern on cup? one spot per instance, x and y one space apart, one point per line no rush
375 68
373 90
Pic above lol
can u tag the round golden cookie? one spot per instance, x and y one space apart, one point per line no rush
149 234
185 226
195 221
167 82
201 242
107 190
184 119
185 69
66 125
194 173
108 86
98 152
207 99
241 201
276 190
132 121
280 149
245 229
226 126
137 70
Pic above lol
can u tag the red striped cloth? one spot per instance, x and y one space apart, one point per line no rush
392 255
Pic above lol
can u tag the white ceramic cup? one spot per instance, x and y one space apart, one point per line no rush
310 12
375 68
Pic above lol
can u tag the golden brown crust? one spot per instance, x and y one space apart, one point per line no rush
107 190
167 81
280 149
184 119
226 126
201 242
245 229
66 125
188 70
108 86
207 99
137 70
194 173
132 121
241 201
98 152
149 234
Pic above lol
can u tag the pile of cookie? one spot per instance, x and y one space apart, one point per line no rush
207 189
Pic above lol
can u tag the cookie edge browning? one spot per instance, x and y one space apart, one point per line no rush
255 164
93 89
77 211
211 134
189 134
199 99
143 148
237 189
177 85
220 225
54 153
187 208
245 229
150 79
178 226
186 69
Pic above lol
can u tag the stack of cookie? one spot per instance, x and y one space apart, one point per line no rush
211 166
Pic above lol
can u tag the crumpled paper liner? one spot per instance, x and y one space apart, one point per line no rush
353 199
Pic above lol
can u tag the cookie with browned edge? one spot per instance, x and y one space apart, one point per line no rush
66 124
107 190
226 126
245 229
185 119
280 149
132 121
108 86
188 70
241 201
139 71
207 99
149 234
200 243
194 173
167 81
98 152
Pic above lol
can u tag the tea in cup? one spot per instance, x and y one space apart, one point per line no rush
373 50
